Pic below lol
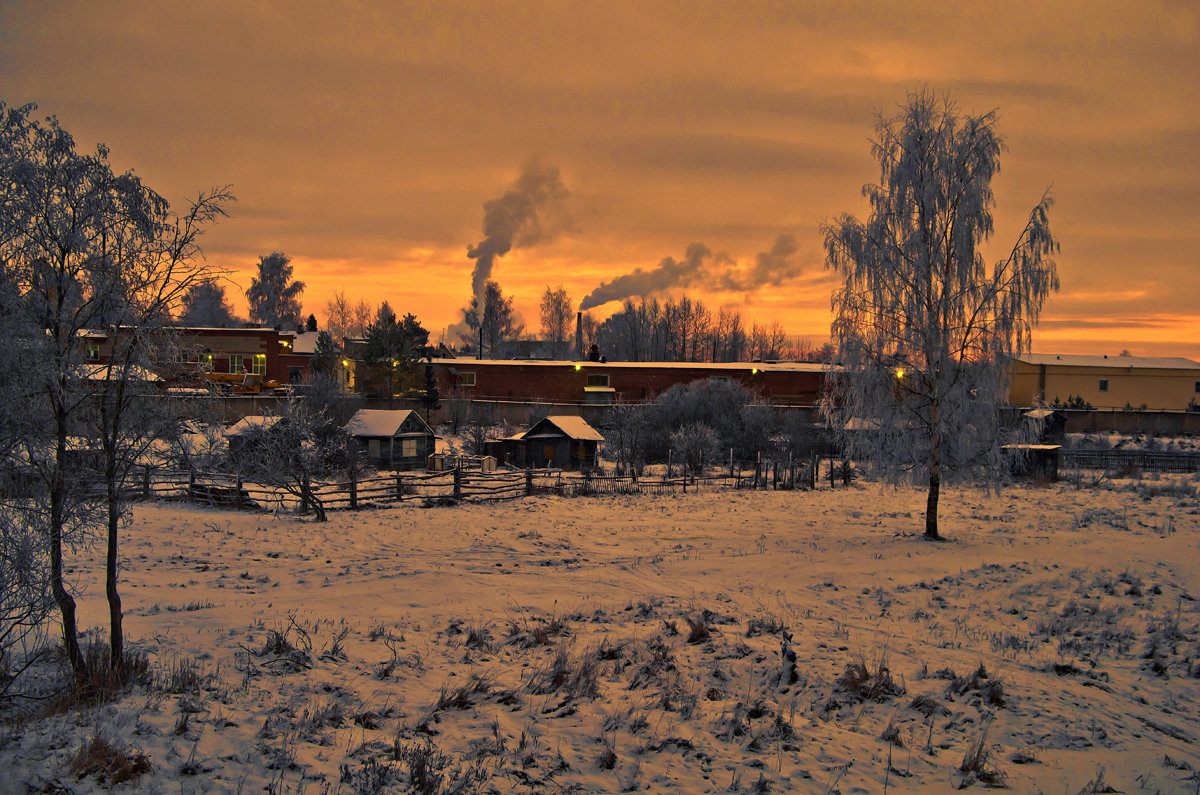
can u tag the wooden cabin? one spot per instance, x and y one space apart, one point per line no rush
562 441
389 439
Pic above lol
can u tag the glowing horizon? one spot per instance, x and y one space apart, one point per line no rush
365 142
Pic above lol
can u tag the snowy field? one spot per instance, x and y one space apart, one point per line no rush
713 642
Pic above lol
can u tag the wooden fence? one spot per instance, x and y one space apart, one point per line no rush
1129 460
228 490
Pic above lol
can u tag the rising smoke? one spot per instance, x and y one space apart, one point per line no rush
532 211
700 265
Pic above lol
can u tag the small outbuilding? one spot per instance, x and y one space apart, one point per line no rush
246 432
393 439
1038 461
1048 426
563 441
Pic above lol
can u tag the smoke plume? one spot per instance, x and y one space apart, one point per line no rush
700 265
530 212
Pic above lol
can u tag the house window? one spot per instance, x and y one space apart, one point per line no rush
93 353
235 362
1197 388
1103 384
466 379
408 448
597 379
373 448
260 364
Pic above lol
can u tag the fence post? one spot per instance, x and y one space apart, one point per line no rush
774 476
730 462
669 453
353 491
237 497
191 484
528 480
304 495
458 482
399 488
146 482
757 473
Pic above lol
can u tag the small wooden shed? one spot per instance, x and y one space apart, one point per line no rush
248 430
1048 426
1039 461
393 439
563 441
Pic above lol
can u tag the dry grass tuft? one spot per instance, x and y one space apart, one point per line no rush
859 681
109 763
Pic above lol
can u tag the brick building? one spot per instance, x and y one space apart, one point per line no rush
603 383
190 351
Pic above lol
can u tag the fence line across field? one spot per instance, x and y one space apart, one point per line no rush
1118 460
230 490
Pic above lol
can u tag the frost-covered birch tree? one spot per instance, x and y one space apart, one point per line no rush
921 322
84 247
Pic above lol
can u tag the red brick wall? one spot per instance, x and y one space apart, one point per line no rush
563 383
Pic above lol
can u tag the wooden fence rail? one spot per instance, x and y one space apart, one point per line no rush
1119 460
229 490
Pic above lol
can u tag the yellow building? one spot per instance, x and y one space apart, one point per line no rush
1106 382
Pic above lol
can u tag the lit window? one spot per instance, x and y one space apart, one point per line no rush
597 379
260 363
408 448
93 352
1103 384
466 379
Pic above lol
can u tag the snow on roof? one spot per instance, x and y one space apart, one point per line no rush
305 342
253 422
575 427
1077 360
378 422
770 367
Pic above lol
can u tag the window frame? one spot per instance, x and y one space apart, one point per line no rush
466 378
1104 384
594 379
259 366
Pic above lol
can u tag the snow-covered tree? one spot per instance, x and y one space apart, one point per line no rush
205 306
920 320
497 319
273 295
556 320
78 241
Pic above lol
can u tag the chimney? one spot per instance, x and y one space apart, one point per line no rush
578 335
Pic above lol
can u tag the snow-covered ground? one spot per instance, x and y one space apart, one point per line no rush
713 642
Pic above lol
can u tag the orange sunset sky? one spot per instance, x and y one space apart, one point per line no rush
363 139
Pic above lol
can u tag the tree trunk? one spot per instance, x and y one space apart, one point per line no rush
116 634
62 598
931 507
935 475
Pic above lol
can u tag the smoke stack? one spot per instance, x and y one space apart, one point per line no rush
579 335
